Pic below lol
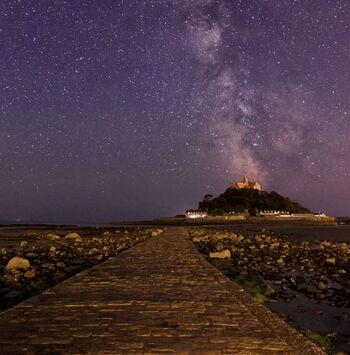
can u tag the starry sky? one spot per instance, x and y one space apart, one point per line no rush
119 109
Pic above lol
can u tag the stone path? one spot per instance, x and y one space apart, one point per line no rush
158 297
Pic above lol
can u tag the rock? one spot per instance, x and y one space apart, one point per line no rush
220 236
234 250
322 286
18 263
13 276
274 245
341 271
93 251
199 239
53 237
219 247
325 245
220 255
280 261
30 274
73 236
156 233
240 238
343 246
60 265
23 244
258 238
48 266
52 249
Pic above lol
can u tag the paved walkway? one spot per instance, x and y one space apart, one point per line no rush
158 297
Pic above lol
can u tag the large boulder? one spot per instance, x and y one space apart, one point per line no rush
220 255
17 263
73 236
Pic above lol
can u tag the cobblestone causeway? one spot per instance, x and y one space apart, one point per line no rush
159 297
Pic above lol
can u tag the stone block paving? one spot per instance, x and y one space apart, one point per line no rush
158 297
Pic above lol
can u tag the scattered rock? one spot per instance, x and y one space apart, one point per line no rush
322 286
303 264
156 233
219 247
30 274
60 265
53 237
23 244
280 261
341 271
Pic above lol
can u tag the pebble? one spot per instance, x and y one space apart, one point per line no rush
60 265
23 244
322 286
53 237
30 274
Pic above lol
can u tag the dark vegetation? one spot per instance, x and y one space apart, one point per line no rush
235 200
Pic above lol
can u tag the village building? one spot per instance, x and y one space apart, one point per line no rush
196 214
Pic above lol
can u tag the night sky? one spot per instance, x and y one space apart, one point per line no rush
113 109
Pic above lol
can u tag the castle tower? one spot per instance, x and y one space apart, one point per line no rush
246 184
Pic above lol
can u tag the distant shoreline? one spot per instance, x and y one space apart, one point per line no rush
174 221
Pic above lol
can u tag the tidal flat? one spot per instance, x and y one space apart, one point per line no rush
303 232
305 280
300 272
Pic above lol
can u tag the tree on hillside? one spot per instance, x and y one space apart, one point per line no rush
208 197
239 200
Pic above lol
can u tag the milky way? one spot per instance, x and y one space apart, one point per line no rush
116 110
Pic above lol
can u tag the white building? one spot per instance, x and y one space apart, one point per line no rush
196 214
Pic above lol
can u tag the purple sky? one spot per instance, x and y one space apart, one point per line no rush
115 110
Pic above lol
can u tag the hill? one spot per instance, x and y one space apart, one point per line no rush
239 200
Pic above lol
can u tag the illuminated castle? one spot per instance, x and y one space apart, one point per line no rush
246 184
